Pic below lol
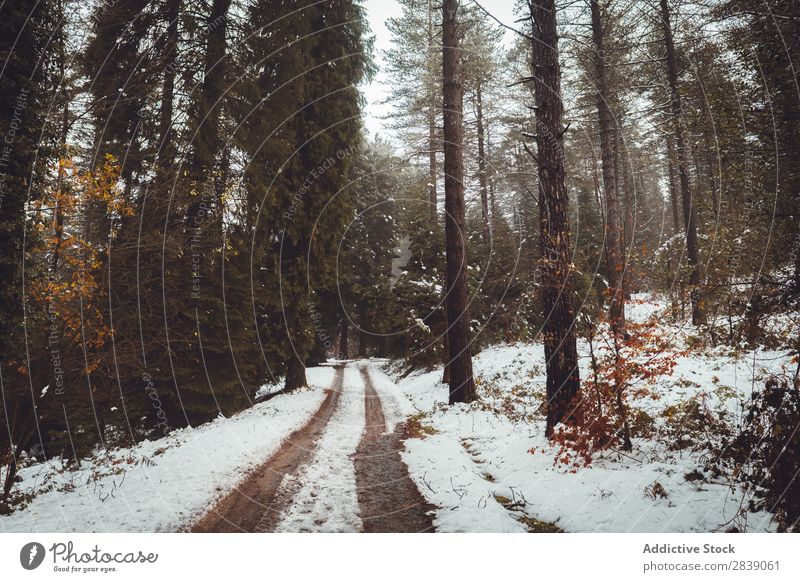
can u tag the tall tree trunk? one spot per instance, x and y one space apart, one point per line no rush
712 180
689 209
166 150
363 336
613 243
482 163
462 384
343 338
628 234
206 142
492 200
560 350
295 374
432 196
673 186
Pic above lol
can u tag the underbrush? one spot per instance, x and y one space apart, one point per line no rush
103 474
764 454
521 402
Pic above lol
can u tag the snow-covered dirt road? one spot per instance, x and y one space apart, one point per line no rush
340 472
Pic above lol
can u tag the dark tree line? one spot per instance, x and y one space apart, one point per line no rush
172 186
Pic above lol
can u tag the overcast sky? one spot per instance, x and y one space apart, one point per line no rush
378 11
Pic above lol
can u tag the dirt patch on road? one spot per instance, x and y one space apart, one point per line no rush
388 498
256 503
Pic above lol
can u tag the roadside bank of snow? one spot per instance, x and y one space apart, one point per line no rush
165 484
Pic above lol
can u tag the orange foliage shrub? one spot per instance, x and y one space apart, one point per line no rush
71 291
621 374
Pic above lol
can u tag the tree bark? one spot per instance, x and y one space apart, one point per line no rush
560 350
166 150
689 209
363 336
628 234
462 384
482 163
432 196
611 152
206 140
490 177
343 339
673 186
295 374
613 242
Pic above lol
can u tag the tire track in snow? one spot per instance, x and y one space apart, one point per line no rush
389 499
324 498
257 502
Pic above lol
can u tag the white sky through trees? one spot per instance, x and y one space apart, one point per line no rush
378 11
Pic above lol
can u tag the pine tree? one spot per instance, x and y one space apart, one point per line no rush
558 334
608 135
462 384
688 203
414 65
306 105
23 36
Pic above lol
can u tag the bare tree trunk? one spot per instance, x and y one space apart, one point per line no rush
673 186
712 180
363 336
560 350
343 338
492 200
462 384
689 209
628 235
11 474
613 241
295 374
432 168
615 244
482 163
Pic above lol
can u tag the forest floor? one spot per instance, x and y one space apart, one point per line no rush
370 447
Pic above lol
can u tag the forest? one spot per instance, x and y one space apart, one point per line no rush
541 256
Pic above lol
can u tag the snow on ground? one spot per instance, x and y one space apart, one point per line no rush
475 464
326 499
166 484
